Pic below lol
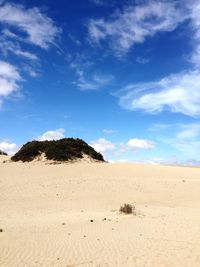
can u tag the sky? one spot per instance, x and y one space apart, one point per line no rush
122 75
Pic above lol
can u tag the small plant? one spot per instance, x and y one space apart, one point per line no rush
1 230
127 209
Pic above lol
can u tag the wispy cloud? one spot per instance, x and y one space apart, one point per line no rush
109 131
187 140
184 138
194 11
98 2
94 82
86 78
177 93
134 24
38 28
19 26
143 60
31 71
74 39
9 47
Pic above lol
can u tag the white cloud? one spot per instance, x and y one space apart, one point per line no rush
121 150
177 93
40 30
135 144
74 39
187 140
89 81
98 2
182 139
87 77
21 25
194 9
31 71
102 145
187 132
9 80
7 47
25 54
160 161
8 71
119 161
109 131
94 82
86 84
142 60
135 23
52 135
10 148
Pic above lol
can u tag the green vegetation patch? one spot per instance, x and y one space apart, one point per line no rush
60 150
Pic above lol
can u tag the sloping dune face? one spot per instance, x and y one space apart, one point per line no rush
67 215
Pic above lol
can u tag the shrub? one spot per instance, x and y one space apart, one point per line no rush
3 153
60 150
127 209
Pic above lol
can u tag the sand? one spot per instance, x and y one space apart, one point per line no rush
46 212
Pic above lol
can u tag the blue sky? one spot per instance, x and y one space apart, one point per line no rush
122 75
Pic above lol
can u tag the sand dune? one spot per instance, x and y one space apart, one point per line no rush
46 212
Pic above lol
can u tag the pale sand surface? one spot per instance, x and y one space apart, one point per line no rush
36 199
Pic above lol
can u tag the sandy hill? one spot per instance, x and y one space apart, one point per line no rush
65 149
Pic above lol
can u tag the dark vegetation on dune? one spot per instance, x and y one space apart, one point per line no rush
128 209
60 150
3 153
